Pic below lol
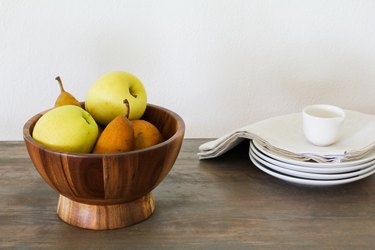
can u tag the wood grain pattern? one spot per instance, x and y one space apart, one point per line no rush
100 217
109 179
223 203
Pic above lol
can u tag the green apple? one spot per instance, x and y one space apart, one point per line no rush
105 99
66 128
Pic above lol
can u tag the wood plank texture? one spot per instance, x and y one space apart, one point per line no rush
223 203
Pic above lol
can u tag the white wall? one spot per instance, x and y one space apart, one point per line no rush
219 64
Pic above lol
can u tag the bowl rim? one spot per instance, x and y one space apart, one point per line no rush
180 132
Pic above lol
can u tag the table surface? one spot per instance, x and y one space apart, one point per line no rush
220 203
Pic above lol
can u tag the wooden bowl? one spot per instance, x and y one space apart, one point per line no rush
107 191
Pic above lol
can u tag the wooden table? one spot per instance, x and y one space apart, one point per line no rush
223 203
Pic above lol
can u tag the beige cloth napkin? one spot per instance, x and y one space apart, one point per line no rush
283 135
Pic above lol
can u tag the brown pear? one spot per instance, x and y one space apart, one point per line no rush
117 136
65 98
146 134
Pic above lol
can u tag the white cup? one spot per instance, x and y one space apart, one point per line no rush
321 123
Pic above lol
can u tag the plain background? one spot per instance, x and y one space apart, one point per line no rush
219 64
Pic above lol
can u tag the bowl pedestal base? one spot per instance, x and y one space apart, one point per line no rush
104 217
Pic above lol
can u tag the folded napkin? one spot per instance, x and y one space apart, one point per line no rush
283 135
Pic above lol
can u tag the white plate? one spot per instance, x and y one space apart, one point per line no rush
314 176
312 169
278 157
308 182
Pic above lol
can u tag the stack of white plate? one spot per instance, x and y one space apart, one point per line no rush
310 173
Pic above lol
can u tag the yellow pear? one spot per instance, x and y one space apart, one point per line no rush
117 136
146 134
65 98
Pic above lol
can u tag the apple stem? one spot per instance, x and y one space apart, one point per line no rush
126 102
60 83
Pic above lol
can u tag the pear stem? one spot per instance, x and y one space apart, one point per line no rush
126 102
60 83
